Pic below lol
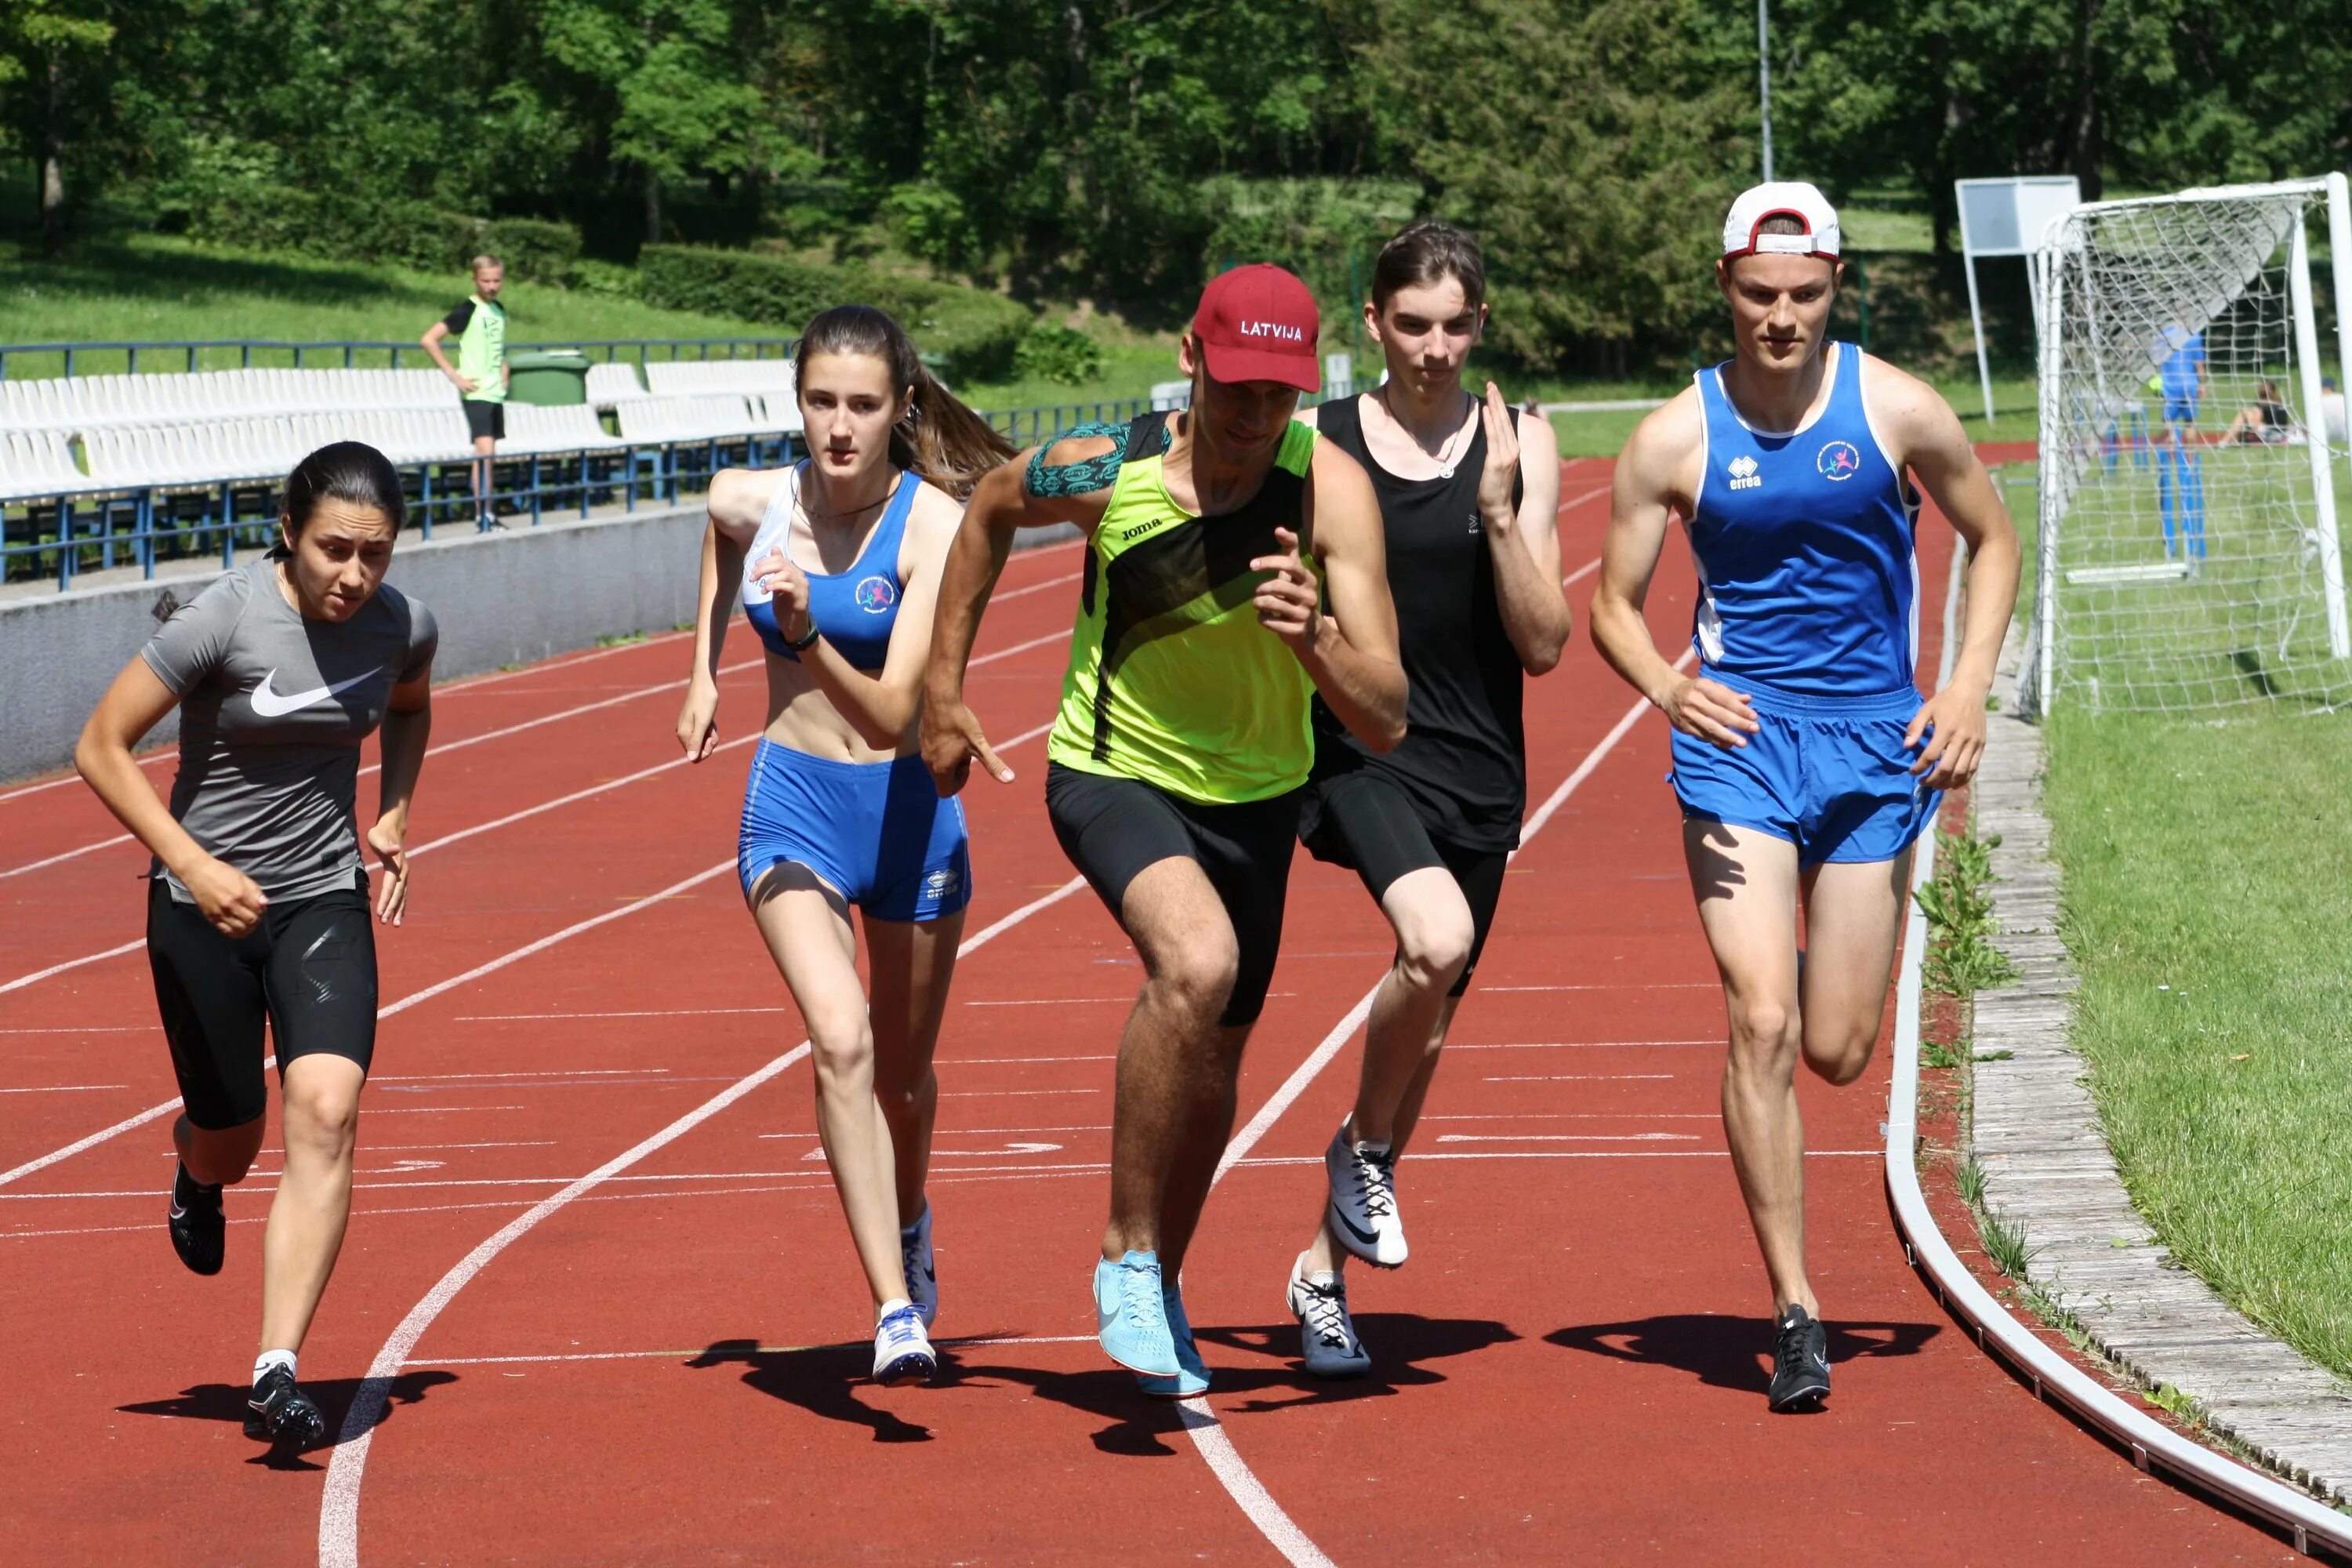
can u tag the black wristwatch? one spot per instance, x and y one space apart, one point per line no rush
803 644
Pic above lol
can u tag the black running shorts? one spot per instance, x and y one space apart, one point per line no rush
1112 828
1358 819
484 417
308 968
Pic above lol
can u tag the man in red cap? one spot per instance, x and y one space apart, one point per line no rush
1182 744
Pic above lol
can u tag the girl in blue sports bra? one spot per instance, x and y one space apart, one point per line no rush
844 553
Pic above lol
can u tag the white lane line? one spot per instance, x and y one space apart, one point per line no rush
168 754
1200 1422
1586 1077
64 1089
411 1000
546 1072
1567 1138
735 1353
459 744
1620 985
339 1504
1581 1044
439 749
40 975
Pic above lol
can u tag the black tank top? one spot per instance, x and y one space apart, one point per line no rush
1463 761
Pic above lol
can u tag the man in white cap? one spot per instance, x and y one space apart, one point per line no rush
1805 761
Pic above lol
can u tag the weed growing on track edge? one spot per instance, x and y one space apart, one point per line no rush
1961 959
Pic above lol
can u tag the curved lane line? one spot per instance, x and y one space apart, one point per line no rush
339 1506
1201 1422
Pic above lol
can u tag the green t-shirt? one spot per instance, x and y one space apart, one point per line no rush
1172 678
480 327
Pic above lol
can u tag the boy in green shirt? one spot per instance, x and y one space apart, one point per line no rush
480 373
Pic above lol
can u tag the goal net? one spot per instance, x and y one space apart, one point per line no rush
2191 482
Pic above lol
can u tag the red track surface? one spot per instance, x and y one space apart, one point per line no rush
670 1369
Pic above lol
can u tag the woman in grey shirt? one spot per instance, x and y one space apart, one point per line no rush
258 907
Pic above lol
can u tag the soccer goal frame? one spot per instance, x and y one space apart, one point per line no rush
2089 378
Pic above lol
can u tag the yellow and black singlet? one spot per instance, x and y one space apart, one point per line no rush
1171 679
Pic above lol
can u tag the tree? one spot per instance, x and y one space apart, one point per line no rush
53 68
1592 146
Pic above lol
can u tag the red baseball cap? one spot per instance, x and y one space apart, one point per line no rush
1259 323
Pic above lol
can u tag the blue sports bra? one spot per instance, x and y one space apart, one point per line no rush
855 609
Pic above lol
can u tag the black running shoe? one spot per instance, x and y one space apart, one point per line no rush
1800 1361
283 1414
195 1221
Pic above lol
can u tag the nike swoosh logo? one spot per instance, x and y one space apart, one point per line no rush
271 704
1366 1236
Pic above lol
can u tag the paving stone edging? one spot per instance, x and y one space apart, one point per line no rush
2048 1172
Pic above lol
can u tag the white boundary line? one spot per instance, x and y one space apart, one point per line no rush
1201 1422
2150 1442
451 837
339 1504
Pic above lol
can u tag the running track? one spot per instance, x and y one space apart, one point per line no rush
667 1367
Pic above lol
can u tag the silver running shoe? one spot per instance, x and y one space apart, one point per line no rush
1363 1210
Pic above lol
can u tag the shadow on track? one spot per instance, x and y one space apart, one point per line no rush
820 1379
1722 1351
1399 1343
227 1402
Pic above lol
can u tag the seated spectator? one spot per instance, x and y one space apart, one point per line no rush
2266 420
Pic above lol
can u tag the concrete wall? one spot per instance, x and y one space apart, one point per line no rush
501 598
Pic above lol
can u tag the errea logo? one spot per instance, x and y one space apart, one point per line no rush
1744 476
1281 329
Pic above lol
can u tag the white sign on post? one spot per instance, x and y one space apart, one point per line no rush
2007 218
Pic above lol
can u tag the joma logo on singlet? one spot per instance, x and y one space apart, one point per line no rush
1273 330
1136 530
1744 476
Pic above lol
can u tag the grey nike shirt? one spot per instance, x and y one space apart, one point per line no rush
272 711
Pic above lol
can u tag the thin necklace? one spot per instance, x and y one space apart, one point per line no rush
812 513
1446 456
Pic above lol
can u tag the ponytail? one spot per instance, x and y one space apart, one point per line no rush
937 438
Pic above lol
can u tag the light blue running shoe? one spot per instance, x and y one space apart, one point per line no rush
1192 1377
1131 1317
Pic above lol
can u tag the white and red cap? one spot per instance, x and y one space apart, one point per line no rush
1780 198
1259 323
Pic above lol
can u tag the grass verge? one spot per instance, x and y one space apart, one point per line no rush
2209 907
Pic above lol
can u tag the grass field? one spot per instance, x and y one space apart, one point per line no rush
2208 908
2209 904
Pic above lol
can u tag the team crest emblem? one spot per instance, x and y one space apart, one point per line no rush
1839 460
876 594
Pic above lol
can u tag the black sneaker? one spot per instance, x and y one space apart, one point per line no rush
1800 1361
283 1414
196 1225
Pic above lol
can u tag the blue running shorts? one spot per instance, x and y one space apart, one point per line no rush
1830 774
877 833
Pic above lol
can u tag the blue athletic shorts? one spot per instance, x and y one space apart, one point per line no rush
2180 411
1829 774
877 833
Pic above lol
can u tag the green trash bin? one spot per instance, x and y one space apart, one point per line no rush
550 377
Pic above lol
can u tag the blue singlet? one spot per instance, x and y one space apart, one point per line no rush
1803 539
855 609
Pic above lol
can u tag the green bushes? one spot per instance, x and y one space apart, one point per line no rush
975 333
1058 353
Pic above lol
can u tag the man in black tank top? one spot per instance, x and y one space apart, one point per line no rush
1467 497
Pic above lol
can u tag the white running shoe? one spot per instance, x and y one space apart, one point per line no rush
902 1352
1327 1334
1363 1210
922 1270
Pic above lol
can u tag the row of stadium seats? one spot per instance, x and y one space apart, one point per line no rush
204 451
615 382
79 405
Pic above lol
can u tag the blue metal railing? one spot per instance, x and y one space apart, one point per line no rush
238 353
101 527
